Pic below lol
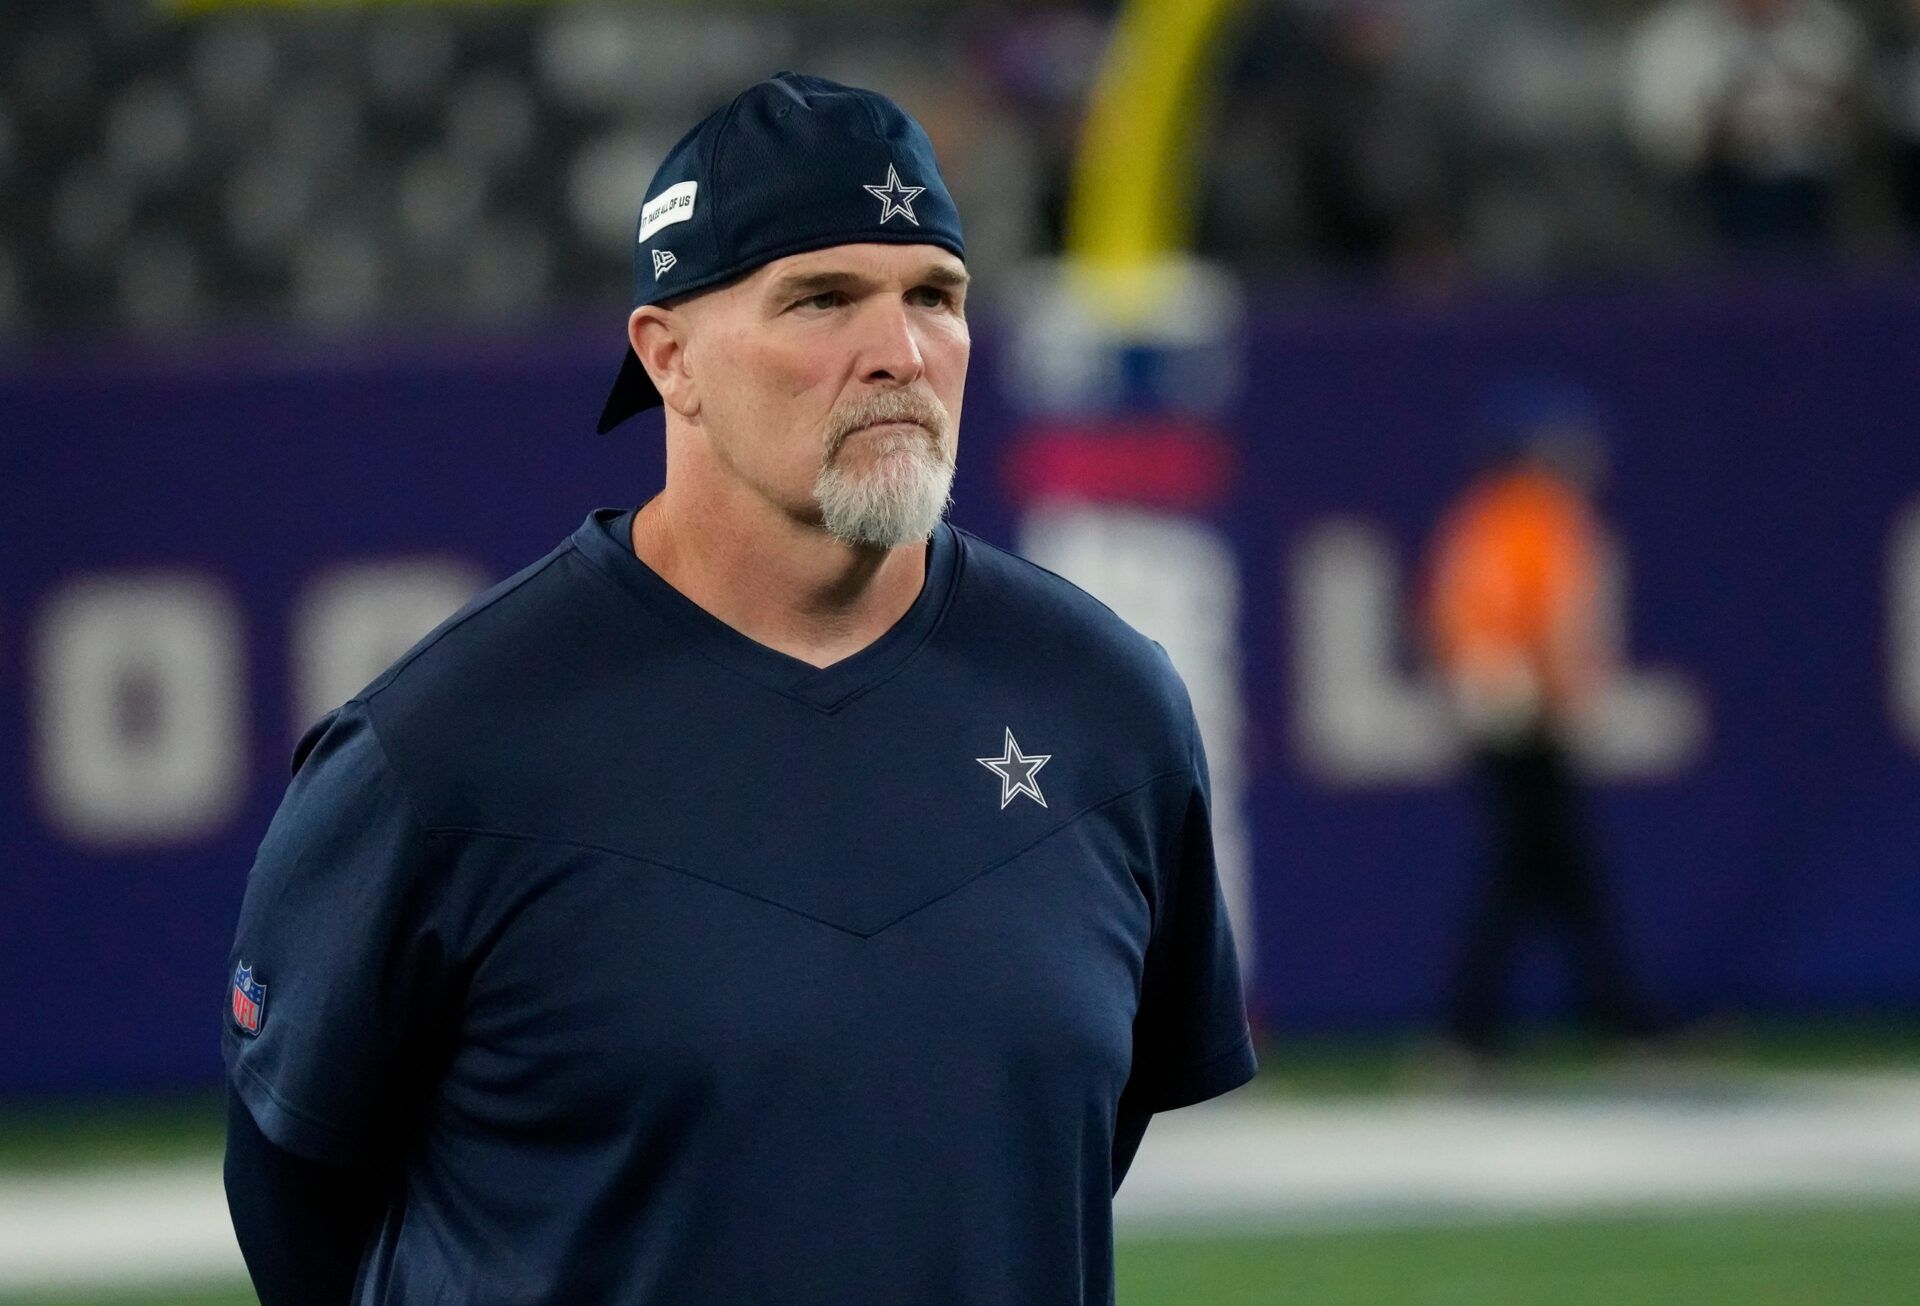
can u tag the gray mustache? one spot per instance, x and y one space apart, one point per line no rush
930 414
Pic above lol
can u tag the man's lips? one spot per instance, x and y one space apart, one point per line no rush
892 425
901 425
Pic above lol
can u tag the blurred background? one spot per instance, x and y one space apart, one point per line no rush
1501 410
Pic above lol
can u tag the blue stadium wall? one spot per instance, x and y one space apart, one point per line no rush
1765 849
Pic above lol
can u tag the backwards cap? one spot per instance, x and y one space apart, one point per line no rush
794 163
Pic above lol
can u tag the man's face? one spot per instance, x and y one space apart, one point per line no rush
830 384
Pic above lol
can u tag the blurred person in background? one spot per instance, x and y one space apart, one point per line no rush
1900 90
1339 153
1512 613
1753 107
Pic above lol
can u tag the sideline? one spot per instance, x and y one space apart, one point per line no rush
1257 1165
126 1227
1440 1159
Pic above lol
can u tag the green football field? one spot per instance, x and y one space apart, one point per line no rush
1780 1257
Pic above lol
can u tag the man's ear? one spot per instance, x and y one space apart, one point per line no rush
658 338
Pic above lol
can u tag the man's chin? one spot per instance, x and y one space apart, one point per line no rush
880 539
857 512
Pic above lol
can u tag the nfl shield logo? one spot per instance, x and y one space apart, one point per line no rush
249 1001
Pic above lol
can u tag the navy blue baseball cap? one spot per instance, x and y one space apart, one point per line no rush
794 163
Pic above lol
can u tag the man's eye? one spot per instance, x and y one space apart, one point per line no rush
929 297
825 299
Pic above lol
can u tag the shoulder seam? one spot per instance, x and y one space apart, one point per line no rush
1031 565
399 781
393 672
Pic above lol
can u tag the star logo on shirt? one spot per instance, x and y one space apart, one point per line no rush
1019 774
895 198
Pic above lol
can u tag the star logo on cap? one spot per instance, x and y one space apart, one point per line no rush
1019 774
895 198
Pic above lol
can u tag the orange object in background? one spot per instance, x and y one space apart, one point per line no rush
1512 598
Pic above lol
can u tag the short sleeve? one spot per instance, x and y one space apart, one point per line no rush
1190 1036
337 966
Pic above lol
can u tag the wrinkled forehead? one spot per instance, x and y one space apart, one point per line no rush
870 261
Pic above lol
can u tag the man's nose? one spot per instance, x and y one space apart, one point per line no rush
890 350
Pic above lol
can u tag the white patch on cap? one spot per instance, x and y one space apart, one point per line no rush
674 204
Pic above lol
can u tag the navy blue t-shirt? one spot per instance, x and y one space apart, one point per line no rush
669 968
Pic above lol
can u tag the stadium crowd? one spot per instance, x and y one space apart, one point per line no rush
167 164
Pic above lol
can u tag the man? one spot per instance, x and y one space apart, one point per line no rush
1513 616
774 894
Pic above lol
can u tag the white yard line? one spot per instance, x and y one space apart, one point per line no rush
131 1227
1446 1158
1254 1164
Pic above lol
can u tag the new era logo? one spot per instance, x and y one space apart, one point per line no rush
662 260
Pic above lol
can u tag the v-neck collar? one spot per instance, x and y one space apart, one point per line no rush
605 539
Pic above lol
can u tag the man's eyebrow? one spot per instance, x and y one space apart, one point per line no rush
799 285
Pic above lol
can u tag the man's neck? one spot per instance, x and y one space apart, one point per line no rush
782 583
